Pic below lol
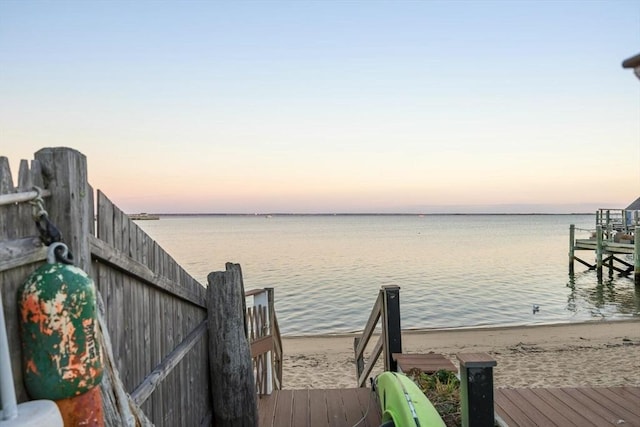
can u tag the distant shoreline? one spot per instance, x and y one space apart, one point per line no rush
478 329
373 214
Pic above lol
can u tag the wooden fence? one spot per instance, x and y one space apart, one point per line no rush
155 313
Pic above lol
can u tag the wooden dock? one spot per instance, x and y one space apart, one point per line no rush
614 236
597 407
315 408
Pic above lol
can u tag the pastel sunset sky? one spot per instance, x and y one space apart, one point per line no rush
330 106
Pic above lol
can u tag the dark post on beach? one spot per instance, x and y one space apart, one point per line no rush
391 323
476 389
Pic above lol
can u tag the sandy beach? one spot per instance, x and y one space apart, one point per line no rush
568 355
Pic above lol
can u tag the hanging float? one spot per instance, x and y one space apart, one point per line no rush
61 356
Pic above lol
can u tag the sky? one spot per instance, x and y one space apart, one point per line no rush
330 106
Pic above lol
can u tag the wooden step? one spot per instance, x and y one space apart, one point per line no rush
427 363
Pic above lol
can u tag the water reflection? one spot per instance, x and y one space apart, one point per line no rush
603 298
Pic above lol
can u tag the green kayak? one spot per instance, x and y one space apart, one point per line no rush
403 404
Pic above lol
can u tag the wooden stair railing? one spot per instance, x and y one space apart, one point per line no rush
387 307
264 338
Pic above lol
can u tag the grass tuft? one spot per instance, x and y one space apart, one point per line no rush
443 390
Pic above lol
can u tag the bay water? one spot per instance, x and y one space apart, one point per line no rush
453 270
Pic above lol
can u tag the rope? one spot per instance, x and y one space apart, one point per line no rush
25 196
367 411
37 202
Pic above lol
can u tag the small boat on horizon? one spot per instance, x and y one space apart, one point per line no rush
143 216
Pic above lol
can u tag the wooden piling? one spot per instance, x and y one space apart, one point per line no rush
636 256
572 242
233 386
599 251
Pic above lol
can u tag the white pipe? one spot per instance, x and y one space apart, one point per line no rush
26 196
36 413
7 392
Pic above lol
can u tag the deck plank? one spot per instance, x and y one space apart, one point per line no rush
608 398
335 408
584 406
555 413
315 407
284 405
510 412
352 409
527 410
300 415
585 409
371 407
266 409
626 394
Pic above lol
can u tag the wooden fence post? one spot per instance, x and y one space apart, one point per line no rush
232 384
476 389
391 326
71 201
70 208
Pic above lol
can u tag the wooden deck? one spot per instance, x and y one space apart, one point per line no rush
607 247
315 407
598 407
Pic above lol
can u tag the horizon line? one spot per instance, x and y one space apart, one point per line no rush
352 213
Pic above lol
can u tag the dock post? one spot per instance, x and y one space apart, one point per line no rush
391 326
636 256
572 242
476 389
599 249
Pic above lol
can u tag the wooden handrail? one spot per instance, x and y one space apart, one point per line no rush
370 326
387 307
265 341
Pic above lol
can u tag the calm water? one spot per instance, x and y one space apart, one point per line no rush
453 270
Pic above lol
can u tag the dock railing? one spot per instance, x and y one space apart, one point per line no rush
616 234
615 221
387 308
264 338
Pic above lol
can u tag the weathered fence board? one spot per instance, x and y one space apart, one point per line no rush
154 311
20 254
151 353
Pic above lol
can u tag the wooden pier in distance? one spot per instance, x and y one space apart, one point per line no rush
615 237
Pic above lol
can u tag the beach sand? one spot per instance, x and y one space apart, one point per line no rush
603 353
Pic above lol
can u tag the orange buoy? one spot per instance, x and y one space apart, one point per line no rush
83 410
58 325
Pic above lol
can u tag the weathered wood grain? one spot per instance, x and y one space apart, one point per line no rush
151 306
234 396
